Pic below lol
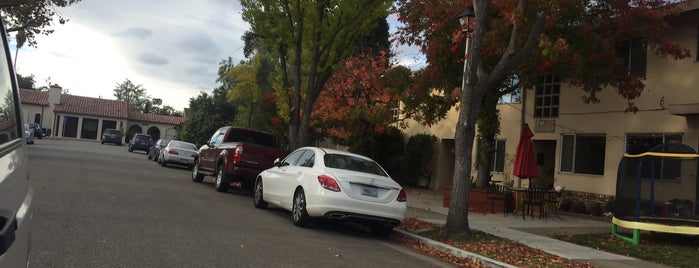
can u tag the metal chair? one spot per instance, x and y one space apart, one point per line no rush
534 198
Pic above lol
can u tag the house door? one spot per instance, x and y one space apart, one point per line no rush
545 151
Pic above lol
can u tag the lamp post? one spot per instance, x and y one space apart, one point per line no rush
465 22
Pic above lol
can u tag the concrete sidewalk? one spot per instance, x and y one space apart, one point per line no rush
427 205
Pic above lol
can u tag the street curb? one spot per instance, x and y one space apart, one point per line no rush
453 250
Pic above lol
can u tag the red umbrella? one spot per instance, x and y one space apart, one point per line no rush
525 160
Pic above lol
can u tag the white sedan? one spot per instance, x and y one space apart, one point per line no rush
178 152
317 182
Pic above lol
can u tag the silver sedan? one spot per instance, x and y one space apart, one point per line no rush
178 153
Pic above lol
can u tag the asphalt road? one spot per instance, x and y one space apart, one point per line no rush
101 206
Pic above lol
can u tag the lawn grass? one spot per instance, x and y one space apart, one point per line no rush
669 249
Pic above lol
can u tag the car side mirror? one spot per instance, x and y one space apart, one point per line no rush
277 162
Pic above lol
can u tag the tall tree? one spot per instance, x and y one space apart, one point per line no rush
528 38
28 18
309 39
134 95
356 104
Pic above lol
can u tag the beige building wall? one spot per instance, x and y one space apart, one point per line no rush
670 104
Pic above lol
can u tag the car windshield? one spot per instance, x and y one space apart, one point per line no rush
348 162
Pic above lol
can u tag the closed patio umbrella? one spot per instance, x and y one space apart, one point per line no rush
525 160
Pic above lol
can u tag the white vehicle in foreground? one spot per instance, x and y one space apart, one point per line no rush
16 192
316 182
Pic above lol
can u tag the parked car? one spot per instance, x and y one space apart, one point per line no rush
154 151
111 135
178 152
140 142
38 132
235 154
314 182
28 134
16 192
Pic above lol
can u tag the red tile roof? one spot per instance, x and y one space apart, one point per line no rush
156 118
36 97
92 106
88 106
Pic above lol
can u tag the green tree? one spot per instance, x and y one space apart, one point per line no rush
207 112
26 82
308 39
134 95
29 18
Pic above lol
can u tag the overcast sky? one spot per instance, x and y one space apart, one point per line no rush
172 48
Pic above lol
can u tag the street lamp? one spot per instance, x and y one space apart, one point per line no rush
465 22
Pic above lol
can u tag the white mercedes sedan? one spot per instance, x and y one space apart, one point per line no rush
314 182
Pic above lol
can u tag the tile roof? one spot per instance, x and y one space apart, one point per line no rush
156 118
88 106
92 106
36 97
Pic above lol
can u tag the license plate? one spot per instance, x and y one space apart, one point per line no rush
370 191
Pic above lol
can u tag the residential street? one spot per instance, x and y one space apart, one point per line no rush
101 206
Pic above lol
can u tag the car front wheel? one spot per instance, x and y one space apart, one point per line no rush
196 176
222 182
258 199
299 215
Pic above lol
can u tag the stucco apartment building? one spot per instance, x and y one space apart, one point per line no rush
85 118
579 145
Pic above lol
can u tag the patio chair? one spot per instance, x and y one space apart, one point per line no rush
534 198
553 202
500 193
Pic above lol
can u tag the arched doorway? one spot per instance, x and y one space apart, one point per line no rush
132 131
154 132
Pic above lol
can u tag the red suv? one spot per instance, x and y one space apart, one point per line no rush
140 142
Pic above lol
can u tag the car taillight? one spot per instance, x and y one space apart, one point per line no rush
328 183
172 152
238 153
402 196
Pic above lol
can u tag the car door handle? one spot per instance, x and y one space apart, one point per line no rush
8 226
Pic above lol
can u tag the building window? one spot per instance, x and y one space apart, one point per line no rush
664 168
547 97
583 153
497 163
633 54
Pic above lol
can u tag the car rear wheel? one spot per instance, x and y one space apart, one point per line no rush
380 229
222 182
299 215
257 199
196 176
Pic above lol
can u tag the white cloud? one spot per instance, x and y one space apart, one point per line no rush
172 48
